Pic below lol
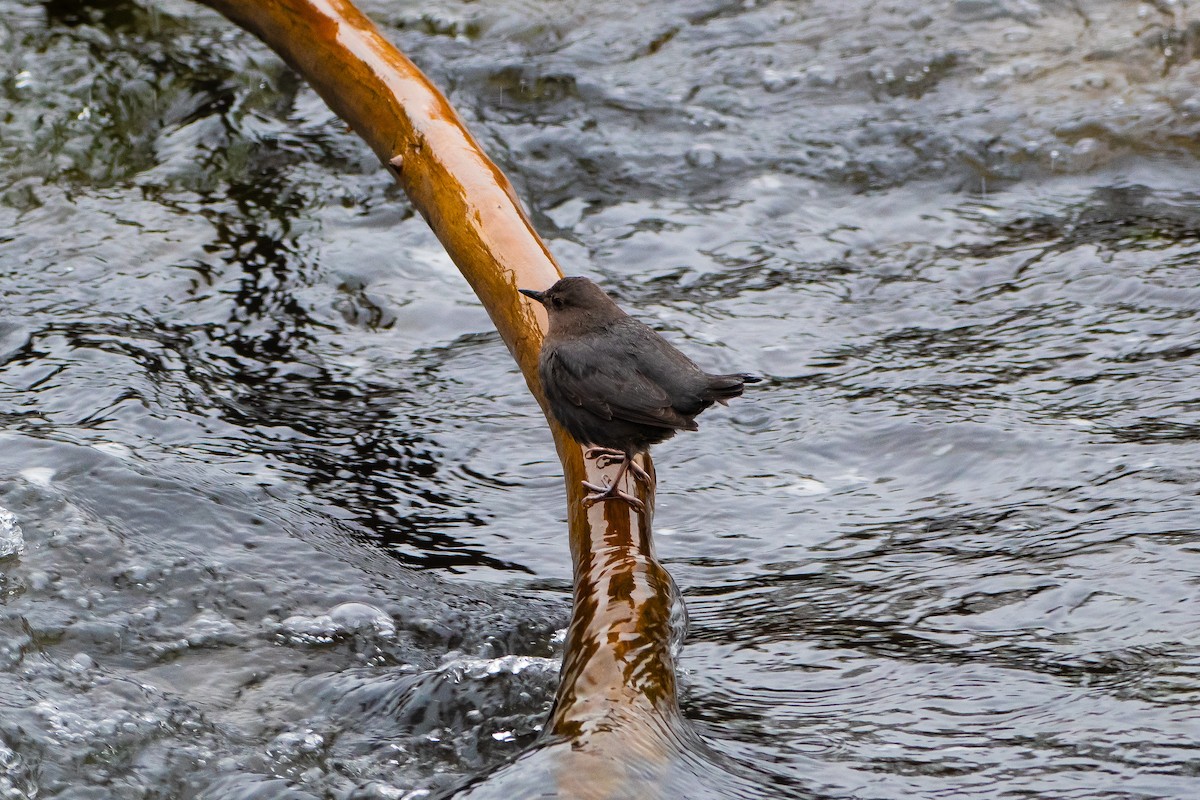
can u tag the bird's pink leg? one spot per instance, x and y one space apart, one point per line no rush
610 455
638 472
604 455
601 494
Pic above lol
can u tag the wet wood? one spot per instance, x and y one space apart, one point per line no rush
618 669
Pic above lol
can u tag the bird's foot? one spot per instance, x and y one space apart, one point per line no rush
607 456
600 494
604 455
639 473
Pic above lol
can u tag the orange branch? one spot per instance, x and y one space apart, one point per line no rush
618 664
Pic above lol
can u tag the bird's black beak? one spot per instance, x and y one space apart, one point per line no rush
539 296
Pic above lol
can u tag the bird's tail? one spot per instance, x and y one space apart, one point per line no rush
722 387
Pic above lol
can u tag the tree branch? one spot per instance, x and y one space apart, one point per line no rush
618 670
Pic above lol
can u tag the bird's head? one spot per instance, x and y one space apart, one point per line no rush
575 302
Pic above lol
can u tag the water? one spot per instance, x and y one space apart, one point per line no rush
293 528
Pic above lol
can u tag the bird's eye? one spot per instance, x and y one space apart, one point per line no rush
557 302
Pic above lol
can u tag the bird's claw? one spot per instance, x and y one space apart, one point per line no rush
593 452
607 456
604 456
600 494
639 473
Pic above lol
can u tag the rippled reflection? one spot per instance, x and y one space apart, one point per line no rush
948 549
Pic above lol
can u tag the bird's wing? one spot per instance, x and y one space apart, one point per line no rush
664 365
588 378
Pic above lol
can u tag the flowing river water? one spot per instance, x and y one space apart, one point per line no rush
279 519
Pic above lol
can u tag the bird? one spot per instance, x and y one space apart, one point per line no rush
615 384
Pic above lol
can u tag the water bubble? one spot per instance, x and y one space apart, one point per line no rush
208 629
342 620
361 617
774 81
138 573
301 629
702 156
819 75
477 668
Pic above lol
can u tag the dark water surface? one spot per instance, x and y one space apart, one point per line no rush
278 517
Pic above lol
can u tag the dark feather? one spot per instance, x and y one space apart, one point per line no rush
614 382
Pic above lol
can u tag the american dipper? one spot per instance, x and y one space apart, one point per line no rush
615 384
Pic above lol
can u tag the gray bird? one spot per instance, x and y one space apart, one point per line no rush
615 384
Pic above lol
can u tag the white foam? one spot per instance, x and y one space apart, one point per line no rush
113 449
12 540
39 476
